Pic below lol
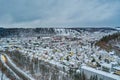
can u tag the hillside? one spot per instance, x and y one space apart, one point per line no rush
110 42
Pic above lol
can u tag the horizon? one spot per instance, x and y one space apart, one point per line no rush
63 27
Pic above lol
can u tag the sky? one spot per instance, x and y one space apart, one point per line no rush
59 13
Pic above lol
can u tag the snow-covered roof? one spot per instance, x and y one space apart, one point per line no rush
110 75
117 67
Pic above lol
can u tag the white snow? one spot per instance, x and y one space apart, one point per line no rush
101 72
4 76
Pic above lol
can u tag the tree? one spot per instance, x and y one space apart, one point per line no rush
101 78
83 76
96 78
91 77
77 76
2 76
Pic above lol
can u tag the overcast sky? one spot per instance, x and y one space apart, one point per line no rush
59 13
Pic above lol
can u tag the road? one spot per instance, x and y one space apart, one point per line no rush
13 67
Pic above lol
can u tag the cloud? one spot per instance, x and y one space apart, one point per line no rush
6 19
40 13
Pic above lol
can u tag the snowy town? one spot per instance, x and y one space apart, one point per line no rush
68 51
59 39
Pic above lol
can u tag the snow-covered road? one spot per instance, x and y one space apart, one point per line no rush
14 68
